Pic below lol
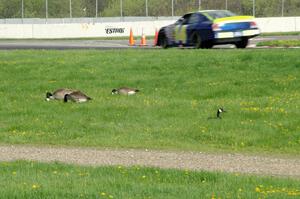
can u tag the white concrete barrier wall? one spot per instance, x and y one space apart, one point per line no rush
75 30
279 24
117 29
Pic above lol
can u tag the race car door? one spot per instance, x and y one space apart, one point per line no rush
180 30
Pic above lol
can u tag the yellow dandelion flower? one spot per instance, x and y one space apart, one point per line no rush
144 177
103 194
213 196
34 186
14 173
257 189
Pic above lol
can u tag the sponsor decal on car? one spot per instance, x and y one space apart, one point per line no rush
180 34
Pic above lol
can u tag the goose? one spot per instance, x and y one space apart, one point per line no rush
220 110
76 96
59 94
125 91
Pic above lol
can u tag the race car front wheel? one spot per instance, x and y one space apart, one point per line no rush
164 41
196 40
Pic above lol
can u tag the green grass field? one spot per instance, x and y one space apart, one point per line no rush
180 89
280 43
36 180
280 33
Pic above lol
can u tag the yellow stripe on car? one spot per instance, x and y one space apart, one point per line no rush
233 18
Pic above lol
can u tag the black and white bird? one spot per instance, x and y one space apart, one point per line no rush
76 96
125 91
220 110
59 94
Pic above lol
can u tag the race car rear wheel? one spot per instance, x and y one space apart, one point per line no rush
242 44
196 40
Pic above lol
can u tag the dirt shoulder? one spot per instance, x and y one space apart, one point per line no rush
234 163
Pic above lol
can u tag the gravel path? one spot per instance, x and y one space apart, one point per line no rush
236 163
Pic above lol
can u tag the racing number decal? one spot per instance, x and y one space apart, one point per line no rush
180 34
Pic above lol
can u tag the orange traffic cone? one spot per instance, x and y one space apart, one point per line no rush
155 37
143 40
131 39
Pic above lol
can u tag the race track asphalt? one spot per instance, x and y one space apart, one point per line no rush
66 44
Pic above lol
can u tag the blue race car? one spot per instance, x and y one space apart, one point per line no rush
204 29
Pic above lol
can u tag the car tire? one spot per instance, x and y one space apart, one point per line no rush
196 40
243 43
164 41
208 44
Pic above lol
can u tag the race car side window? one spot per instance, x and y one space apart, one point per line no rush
179 21
194 18
197 18
183 20
203 18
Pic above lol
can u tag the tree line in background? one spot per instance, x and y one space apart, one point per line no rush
115 8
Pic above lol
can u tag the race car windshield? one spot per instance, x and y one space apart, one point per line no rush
220 14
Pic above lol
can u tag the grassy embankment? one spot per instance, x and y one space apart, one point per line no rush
37 180
281 33
180 89
280 43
